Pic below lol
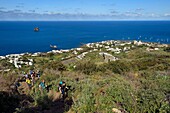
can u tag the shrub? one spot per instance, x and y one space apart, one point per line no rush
86 67
40 98
102 67
5 64
121 66
85 102
151 95
151 63
7 79
55 65
50 75
167 49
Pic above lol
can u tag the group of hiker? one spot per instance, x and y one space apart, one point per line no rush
30 79
62 88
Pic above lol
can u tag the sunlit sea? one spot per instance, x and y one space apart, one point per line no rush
19 36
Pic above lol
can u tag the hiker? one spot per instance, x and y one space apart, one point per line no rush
103 56
62 89
26 75
14 88
17 84
42 85
28 81
38 74
23 77
31 72
33 78
59 86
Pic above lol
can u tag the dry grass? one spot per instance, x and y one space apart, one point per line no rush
54 95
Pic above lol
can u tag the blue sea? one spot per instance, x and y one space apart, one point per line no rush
19 36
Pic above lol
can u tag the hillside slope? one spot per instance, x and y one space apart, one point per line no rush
128 78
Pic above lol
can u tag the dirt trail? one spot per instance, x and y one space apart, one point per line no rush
58 105
23 88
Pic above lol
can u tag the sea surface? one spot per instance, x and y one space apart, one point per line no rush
19 36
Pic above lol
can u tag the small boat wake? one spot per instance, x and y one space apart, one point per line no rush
53 46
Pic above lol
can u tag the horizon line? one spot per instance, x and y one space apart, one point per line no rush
81 20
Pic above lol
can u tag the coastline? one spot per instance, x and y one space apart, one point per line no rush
30 41
121 42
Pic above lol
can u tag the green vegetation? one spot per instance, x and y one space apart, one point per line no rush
138 82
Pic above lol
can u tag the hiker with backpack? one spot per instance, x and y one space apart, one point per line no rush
28 81
63 89
42 85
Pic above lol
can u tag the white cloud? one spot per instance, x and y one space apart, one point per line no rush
114 12
167 14
139 9
1 8
155 15
49 15
33 11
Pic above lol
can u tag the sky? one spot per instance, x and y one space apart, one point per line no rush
53 10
